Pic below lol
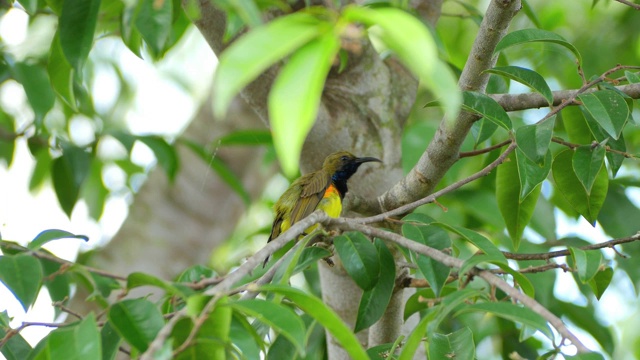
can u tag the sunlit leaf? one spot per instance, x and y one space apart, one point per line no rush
486 107
534 140
608 108
256 51
50 235
22 275
531 174
295 98
527 77
587 162
600 282
413 44
534 35
587 262
77 23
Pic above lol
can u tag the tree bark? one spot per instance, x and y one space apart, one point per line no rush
173 226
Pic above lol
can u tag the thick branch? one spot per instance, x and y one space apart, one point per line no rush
443 150
517 102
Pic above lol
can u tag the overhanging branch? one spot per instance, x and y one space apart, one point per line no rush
525 101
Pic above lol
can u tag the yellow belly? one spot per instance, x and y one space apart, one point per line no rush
330 204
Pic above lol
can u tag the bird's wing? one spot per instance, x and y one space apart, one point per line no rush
310 196
276 227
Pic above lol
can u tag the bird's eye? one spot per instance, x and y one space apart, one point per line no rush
344 158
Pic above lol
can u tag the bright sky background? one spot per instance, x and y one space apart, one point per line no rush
163 108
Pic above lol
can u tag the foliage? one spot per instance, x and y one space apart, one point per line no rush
477 282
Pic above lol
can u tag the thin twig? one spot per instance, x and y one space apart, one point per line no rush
42 255
629 3
163 335
554 254
571 145
431 198
484 151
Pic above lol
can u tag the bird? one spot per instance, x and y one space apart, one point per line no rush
323 189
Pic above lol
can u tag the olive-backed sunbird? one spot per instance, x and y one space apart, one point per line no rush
323 189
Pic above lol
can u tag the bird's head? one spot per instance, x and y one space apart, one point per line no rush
341 165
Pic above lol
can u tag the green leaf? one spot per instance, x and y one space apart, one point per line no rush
325 316
486 107
61 73
281 318
482 130
608 108
359 257
374 301
515 212
414 45
41 170
7 145
137 279
22 274
451 302
246 138
586 204
153 20
416 337
110 340
256 51
615 159
512 312
94 192
57 282
77 23
75 342
212 339
138 321
458 345
534 140
531 174
587 263
295 98
68 173
527 77
50 235
36 85
633 78
535 35
600 282
587 162
477 240
15 347
164 153
433 271
524 282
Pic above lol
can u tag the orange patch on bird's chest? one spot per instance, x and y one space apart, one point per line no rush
331 191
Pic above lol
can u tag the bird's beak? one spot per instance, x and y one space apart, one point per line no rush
366 159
